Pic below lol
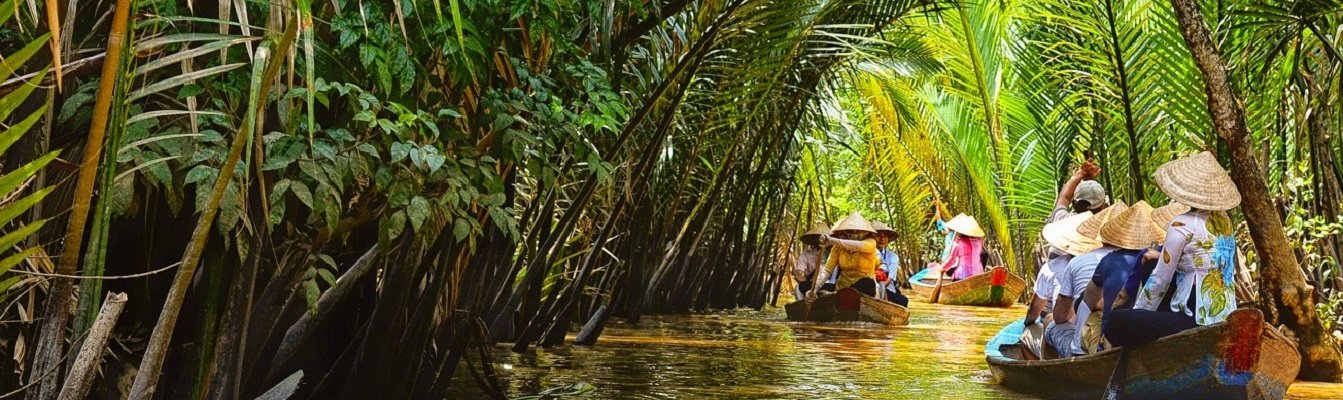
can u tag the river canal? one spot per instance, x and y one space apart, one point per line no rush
758 355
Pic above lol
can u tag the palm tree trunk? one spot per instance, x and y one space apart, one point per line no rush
1287 298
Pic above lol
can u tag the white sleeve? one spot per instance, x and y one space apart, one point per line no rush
1154 289
1065 280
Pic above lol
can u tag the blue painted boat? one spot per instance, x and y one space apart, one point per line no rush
1242 358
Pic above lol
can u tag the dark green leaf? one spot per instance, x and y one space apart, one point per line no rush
312 294
418 210
301 191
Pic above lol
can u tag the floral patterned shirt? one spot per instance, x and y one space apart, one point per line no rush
1199 258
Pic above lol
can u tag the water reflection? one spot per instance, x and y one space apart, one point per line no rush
758 355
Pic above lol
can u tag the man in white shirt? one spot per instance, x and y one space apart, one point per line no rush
1064 334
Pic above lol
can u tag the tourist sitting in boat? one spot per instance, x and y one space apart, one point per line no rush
1131 232
1065 334
889 265
1197 262
853 255
1070 201
964 260
1065 243
809 260
1111 287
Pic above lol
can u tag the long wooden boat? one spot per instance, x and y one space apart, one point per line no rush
994 288
1242 358
848 305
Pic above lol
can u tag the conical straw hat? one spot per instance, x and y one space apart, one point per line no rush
1092 227
965 225
813 236
854 222
1062 234
880 227
1163 215
1132 229
1198 181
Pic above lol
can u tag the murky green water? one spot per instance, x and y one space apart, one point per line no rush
759 355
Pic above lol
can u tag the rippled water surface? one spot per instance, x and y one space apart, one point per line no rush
749 354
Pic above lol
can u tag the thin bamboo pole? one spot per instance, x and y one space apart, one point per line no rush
55 316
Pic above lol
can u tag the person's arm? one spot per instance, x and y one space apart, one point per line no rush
1063 302
1044 290
952 259
856 246
882 270
1152 291
1036 308
803 264
1094 296
1063 309
1084 172
823 274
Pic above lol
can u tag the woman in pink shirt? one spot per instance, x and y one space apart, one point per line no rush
964 261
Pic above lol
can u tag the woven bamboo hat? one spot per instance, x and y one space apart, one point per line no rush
813 236
1132 229
1198 181
965 225
1163 215
854 222
883 228
1062 234
1092 227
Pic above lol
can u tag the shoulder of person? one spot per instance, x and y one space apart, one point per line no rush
1058 213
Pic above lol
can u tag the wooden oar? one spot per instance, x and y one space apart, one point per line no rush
806 308
937 289
1115 389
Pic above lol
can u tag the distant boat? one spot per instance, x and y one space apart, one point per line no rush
848 305
995 288
1242 358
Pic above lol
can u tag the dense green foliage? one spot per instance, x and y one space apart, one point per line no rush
405 182
1056 79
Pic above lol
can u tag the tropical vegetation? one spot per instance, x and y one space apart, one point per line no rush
366 196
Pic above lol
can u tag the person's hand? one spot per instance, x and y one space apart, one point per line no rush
1089 169
1150 255
1121 299
811 296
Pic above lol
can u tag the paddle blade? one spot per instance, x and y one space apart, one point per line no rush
1115 389
937 289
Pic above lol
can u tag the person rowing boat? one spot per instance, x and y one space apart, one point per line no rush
853 256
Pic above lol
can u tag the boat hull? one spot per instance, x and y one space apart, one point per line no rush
994 288
1243 358
848 305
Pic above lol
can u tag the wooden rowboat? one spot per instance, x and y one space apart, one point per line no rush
1242 358
995 288
848 305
